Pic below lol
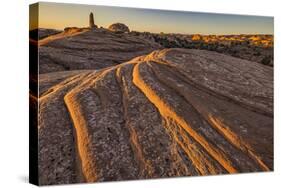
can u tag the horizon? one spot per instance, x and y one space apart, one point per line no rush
152 20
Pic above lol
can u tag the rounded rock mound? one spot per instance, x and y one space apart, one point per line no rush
119 28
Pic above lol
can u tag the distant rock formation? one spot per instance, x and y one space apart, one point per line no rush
119 28
92 21
40 33
174 112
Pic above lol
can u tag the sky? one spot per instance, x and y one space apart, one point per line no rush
59 16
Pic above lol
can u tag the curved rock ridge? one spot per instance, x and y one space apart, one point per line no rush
78 49
174 112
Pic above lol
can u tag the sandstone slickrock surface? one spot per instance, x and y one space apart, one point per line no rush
90 49
174 112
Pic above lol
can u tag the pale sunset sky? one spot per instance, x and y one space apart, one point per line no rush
59 16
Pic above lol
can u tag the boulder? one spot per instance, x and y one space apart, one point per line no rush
119 28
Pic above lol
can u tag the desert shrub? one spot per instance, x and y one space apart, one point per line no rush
258 53
266 60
